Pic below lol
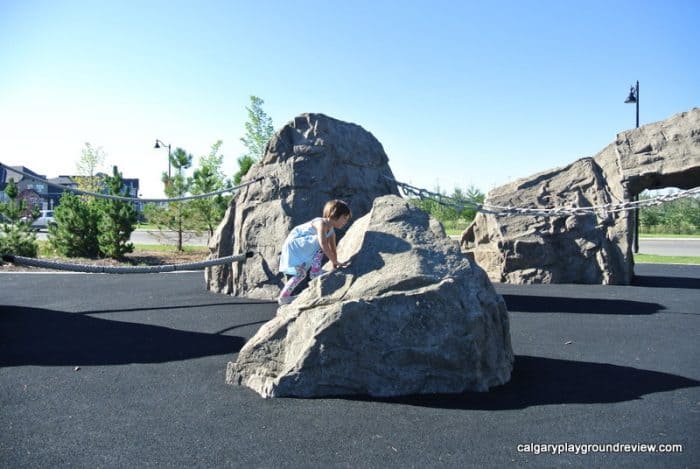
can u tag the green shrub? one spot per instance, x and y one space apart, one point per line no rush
88 227
17 237
76 228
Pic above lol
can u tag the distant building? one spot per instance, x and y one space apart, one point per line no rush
44 193
32 199
55 193
3 184
32 188
132 190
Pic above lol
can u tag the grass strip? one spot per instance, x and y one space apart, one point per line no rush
656 259
668 235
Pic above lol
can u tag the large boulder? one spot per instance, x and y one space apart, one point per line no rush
595 248
410 315
312 159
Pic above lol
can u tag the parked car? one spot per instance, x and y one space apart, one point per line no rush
45 219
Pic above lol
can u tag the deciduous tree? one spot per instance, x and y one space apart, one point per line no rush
91 160
259 130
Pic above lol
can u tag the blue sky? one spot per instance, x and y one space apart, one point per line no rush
459 93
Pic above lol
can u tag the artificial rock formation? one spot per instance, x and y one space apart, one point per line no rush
594 248
410 315
312 159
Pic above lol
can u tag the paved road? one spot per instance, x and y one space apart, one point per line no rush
666 246
670 247
157 237
594 364
166 237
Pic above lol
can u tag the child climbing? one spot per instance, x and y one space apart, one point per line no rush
306 244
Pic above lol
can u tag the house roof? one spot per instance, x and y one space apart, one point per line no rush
7 172
13 172
63 180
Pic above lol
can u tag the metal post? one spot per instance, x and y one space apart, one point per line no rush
637 96
158 145
634 98
636 210
169 175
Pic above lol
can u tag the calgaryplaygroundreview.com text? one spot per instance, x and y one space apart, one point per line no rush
586 448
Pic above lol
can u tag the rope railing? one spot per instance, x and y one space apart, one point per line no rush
107 269
133 199
90 268
407 189
500 210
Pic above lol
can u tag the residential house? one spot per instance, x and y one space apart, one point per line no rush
32 188
3 184
35 188
132 190
55 193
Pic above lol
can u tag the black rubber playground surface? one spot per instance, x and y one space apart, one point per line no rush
597 365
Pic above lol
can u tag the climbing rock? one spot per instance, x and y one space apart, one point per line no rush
593 248
410 315
312 159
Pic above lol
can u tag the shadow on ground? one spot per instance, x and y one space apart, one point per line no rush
218 304
33 336
538 381
553 304
652 281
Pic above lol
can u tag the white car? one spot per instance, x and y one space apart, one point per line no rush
45 219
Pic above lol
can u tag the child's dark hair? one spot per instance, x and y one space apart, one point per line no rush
335 209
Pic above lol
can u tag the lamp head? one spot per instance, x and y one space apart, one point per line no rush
632 98
157 144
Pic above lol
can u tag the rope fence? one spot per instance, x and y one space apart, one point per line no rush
407 189
107 269
499 210
134 199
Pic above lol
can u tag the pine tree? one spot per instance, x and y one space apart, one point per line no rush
17 236
176 216
208 177
76 228
117 222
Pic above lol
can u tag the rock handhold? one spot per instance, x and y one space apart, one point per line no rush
410 315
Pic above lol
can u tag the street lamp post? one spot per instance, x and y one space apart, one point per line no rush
634 98
161 144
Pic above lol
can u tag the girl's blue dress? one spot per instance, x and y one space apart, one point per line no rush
300 247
